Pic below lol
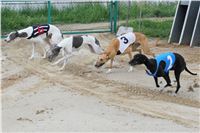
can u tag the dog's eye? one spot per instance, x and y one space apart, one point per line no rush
101 59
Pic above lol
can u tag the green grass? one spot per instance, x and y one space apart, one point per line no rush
91 12
153 28
13 20
83 13
148 9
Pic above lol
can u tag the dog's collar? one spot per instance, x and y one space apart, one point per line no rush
155 73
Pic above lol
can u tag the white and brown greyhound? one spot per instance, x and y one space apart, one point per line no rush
45 34
70 45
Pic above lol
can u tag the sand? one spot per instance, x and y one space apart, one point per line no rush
36 96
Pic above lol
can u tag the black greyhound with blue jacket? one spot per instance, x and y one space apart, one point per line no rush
161 65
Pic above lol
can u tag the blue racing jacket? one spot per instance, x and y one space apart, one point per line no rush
169 59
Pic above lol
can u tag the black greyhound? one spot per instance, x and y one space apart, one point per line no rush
160 66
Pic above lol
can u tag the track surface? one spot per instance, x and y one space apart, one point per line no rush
23 80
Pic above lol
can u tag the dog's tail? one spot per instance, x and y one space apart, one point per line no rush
186 69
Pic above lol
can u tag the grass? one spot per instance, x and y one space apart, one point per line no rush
13 20
147 9
82 13
152 28
89 13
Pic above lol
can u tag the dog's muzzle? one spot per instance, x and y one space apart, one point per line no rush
97 65
6 40
53 53
132 63
51 58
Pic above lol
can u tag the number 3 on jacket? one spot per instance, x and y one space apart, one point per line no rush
126 40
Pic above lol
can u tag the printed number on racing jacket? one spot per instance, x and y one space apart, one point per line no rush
124 39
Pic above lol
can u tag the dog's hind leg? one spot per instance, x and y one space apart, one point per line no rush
44 52
145 48
177 76
139 50
135 47
33 51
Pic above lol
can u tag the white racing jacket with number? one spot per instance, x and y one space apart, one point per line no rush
125 40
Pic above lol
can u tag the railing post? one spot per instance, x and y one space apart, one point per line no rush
49 11
111 16
115 16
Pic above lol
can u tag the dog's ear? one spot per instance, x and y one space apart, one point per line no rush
107 54
97 41
23 34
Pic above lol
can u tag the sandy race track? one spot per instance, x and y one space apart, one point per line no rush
38 97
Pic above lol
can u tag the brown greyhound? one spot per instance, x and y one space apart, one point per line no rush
135 40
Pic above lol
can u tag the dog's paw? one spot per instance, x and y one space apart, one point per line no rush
130 69
109 71
53 64
161 90
61 69
30 58
44 57
173 94
169 84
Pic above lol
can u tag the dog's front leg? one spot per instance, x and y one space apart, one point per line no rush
33 52
156 81
42 46
57 62
64 53
130 57
64 64
65 61
110 68
130 69
167 79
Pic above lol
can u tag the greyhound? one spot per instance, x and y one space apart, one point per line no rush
73 43
161 65
124 44
44 34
